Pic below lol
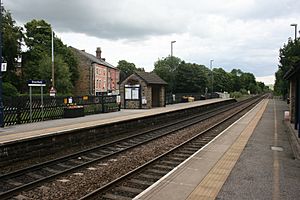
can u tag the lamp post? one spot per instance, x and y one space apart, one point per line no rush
1 88
52 59
212 77
172 42
295 25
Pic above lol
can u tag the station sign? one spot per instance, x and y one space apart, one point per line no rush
36 83
3 67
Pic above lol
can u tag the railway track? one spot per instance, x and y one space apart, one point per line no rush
18 181
134 182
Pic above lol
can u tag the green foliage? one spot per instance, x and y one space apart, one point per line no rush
126 69
166 69
289 56
222 80
37 59
190 78
235 79
12 38
63 82
236 95
243 91
194 78
281 85
9 90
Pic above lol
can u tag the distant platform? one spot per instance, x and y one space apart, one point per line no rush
31 130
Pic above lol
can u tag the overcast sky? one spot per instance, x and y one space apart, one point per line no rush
244 34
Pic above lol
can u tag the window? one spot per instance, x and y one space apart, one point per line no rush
132 92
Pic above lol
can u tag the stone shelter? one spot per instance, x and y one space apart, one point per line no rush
293 75
143 90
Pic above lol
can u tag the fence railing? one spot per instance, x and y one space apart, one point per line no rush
17 110
197 96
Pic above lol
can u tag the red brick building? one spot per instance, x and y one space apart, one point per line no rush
96 76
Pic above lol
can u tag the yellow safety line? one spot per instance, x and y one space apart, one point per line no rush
214 180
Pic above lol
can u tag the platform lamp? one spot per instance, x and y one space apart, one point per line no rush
52 56
172 42
212 77
1 88
295 25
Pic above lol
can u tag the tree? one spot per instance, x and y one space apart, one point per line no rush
126 69
248 82
37 59
281 85
289 56
166 69
235 79
12 38
190 78
222 80
261 87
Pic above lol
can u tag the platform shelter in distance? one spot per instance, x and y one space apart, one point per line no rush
143 90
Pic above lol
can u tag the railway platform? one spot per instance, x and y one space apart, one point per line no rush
38 129
251 159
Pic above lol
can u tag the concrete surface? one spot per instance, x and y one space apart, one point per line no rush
181 182
263 173
252 159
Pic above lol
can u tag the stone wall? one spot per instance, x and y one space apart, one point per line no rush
82 85
147 93
61 141
162 96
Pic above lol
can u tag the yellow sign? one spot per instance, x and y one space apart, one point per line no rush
85 97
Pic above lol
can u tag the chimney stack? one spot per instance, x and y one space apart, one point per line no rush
98 53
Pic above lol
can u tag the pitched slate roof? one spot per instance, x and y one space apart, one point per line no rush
150 78
93 58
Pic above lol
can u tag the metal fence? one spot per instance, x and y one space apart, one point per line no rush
180 97
17 110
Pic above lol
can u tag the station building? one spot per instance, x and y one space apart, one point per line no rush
293 75
96 76
143 90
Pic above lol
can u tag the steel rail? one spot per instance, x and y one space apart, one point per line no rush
111 184
12 192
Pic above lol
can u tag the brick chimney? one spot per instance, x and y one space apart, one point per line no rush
98 53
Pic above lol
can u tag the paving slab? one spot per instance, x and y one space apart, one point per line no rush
266 168
181 182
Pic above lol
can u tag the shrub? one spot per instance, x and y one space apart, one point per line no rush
236 95
9 89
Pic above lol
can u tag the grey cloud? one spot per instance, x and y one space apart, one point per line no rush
116 19
230 32
103 19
